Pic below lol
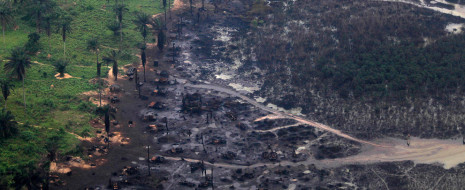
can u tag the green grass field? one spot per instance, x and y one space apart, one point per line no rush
62 109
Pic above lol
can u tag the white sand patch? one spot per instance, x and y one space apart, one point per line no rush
294 111
224 76
260 99
237 63
449 153
65 76
454 28
458 11
292 187
224 34
300 149
239 87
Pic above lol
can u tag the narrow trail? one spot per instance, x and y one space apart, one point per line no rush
284 115
459 10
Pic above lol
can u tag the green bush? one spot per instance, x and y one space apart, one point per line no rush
32 46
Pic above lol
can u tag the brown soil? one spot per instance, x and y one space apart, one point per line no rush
66 76
127 143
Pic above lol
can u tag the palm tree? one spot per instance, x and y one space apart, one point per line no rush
143 58
142 20
6 87
157 24
119 10
190 5
49 19
60 66
164 8
7 124
93 45
113 57
169 7
161 40
6 16
52 146
65 29
17 64
107 127
114 27
38 9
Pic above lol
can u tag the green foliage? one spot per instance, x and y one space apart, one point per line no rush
32 46
399 70
113 57
157 24
119 10
65 26
17 63
142 21
50 109
6 86
8 126
257 22
6 16
93 45
114 27
259 9
60 66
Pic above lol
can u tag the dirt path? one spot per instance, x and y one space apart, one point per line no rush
458 11
447 152
282 114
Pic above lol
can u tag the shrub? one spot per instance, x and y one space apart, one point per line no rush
32 46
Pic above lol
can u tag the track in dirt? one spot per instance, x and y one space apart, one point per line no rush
447 152
458 11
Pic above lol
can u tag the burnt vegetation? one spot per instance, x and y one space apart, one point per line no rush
353 64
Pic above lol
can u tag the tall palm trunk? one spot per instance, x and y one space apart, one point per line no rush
121 35
98 82
64 49
5 104
99 92
98 67
49 44
99 95
24 95
3 30
38 20
165 17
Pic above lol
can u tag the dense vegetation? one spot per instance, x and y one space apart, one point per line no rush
54 34
360 54
368 68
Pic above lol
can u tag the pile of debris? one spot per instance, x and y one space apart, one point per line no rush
192 103
156 105
164 77
149 115
271 156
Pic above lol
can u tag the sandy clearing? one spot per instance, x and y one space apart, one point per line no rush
66 76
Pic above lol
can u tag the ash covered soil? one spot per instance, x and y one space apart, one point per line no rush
207 127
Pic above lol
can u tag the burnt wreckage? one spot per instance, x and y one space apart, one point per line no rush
194 103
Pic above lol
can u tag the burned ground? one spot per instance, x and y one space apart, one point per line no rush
205 136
